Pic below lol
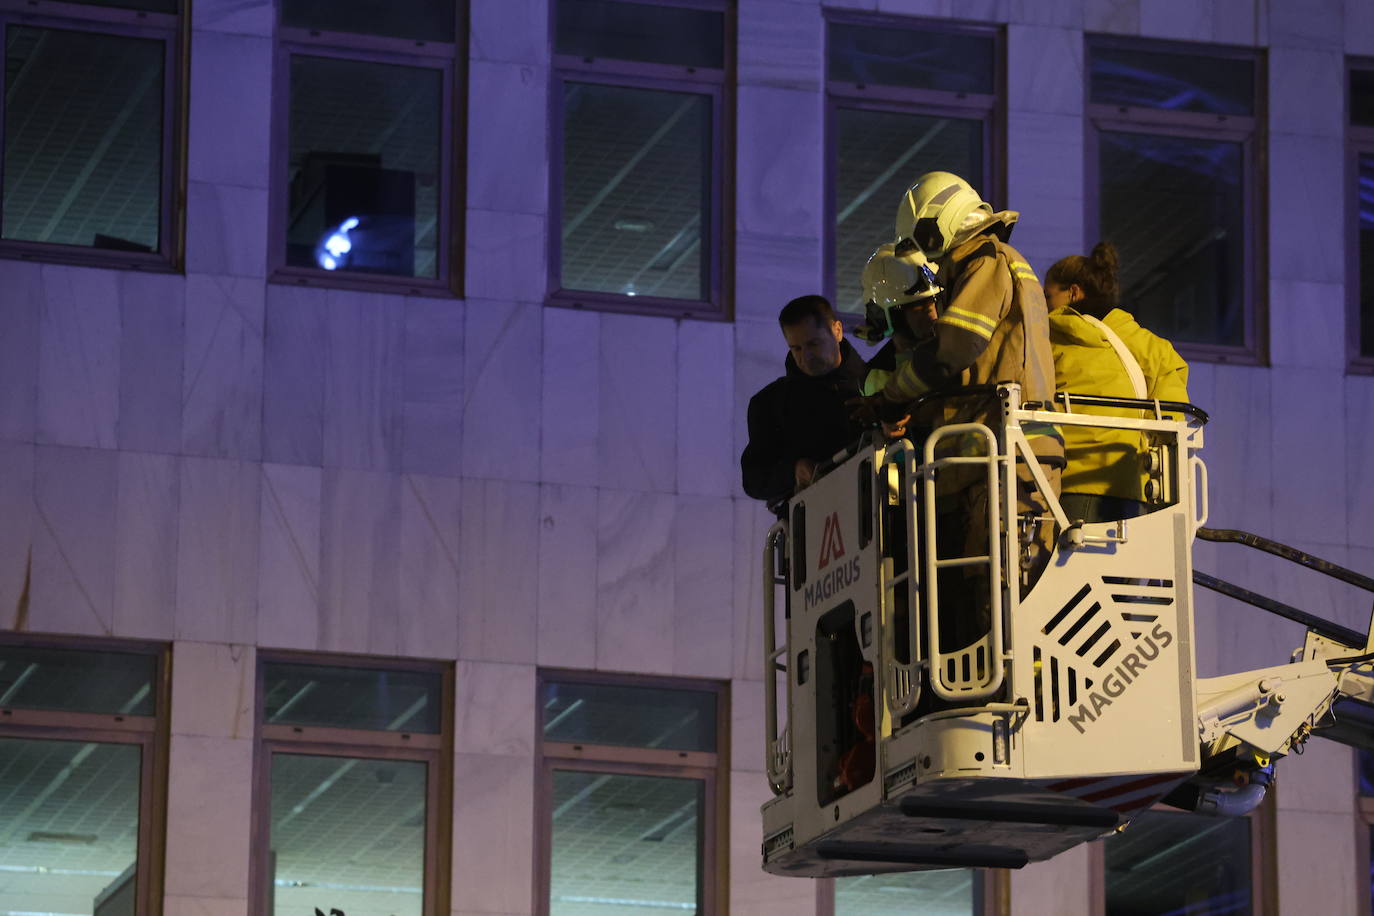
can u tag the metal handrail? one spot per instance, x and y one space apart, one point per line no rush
777 753
903 680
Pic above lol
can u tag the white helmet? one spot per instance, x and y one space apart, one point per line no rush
937 209
891 282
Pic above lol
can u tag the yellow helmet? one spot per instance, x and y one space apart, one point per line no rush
891 282
935 211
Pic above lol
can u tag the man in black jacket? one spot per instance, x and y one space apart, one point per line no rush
798 421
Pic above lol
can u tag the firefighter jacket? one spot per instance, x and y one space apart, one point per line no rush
1106 462
993 327
799 416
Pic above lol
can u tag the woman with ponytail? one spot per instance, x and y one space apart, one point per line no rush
1100 349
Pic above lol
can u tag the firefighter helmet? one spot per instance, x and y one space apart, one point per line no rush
891 282
936 211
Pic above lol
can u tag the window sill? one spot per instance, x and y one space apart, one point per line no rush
1225 356
80 256
369 283
637 305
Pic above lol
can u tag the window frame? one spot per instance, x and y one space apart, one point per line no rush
151 734
718 86
712 769
1250 132
1359 141
988 110
436 751
173 31
451 60
991 893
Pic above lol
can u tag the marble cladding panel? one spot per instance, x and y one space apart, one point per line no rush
868 5
1045 69
1062 885
431 509
1045 184
72 588
570 418
703 601
1309 448
225 225
152 312
754 892
635 575
237 17
360 529
512 31
19 345
1064 14
781 45
1307 91
966 10
289 557
746 726
498 584
566 629
231 79
1359 482
213 689
78 357
1323 780
502 386
760 357
706 459
495 709
221 393
293 376
209 816
1184 20
1120 17
145 545
1311 24
1307 185
1317 850
1232 636
1307 324
508 140
17 532
432 387
176 905
1359 27
506 255
217 556
493 843
780 160
1240 22
1241 477
364 343
751 524
1202 384
637 448
772 270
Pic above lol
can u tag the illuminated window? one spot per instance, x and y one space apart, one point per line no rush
1360 156
365 176
630 770
353 772
638 132
90 128
1170 861
904 98
1173 148
81 748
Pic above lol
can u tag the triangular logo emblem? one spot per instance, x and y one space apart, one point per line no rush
832 543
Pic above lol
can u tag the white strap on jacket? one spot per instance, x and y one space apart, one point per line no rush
1128 359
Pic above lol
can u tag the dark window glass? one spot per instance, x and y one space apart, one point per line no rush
1366 192
69 828
880 154
915 58
627 716
72 680
640 32
364 173
348 833
83 139
363 698
625 844
420 20
1174 82
635 191
930 893
1175 208
152 6
1365 762
1362 97
1179 863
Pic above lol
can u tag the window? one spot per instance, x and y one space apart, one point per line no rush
354 780
1360 283
364 192
952 892
639 129
904 98
629 801
82 779
1173 148
1364 807
90 121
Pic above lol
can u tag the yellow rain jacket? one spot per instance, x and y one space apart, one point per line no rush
1106 462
